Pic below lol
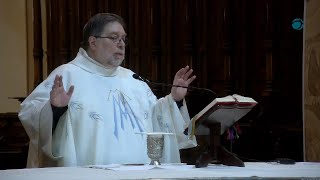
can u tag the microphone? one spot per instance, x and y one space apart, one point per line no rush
136 76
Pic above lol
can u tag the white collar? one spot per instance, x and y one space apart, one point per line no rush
87 63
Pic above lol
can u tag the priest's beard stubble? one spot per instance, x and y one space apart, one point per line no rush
116 60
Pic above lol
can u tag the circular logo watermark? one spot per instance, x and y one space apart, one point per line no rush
297 24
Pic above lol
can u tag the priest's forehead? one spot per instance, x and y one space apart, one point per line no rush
114 28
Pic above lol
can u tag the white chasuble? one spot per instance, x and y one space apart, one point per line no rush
107 110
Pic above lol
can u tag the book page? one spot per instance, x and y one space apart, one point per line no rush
230 110
227 99
242 99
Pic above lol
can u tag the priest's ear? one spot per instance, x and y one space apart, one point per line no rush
92 42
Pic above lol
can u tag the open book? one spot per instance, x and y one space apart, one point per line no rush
226 111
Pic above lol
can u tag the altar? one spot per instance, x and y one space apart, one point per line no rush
252 170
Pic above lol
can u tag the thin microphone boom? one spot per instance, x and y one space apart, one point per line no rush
136 76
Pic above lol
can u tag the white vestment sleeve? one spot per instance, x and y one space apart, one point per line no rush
63 142
36 117
168 118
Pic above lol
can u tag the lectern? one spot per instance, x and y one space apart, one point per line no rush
217 117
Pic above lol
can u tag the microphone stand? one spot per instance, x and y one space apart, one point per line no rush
136 76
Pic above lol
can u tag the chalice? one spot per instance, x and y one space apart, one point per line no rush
155 144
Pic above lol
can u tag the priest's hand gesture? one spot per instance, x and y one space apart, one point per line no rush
182 78
58 96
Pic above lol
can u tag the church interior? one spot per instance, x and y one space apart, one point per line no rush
248 47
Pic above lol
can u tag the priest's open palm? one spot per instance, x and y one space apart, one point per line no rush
58 96
182 78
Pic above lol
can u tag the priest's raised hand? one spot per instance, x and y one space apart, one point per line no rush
182 78
58 96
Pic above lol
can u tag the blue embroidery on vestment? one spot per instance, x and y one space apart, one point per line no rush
164 126
75 105
48 85
95 116
122 109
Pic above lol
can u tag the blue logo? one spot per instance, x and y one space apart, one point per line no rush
297 24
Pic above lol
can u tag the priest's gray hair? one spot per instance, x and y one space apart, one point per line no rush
96 24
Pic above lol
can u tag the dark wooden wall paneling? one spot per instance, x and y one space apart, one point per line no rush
13 142
37 49
246 47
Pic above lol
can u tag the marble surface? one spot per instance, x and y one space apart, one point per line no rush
259 170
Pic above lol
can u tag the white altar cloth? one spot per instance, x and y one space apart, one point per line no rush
300 170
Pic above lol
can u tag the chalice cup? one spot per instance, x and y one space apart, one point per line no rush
155 147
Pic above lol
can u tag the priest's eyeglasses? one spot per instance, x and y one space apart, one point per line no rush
115 39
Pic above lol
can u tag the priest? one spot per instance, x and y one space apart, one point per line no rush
91 111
